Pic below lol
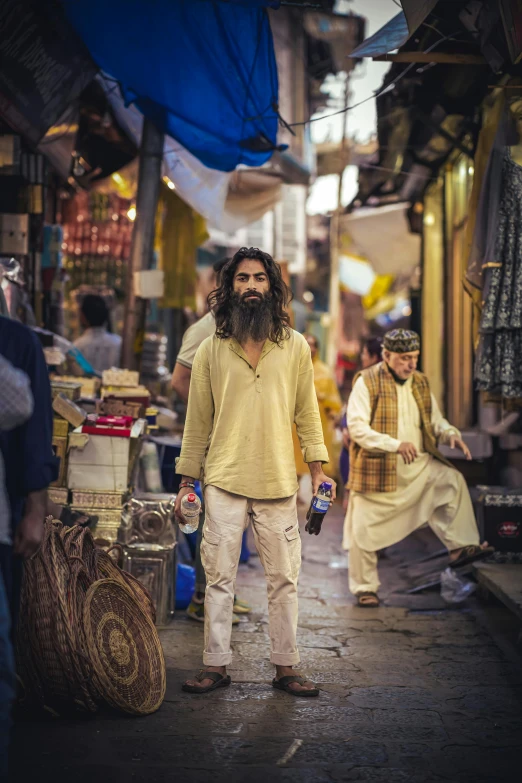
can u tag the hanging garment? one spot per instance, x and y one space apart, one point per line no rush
181 233
498 367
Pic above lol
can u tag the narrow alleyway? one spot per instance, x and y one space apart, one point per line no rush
416 694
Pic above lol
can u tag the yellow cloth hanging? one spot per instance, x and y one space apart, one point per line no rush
180 231
381 286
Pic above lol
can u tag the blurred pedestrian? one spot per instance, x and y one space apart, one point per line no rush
399 480
98 344
371 354
16 406
249 383
192 339
30 464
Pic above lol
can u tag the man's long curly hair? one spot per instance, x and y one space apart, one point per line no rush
220 301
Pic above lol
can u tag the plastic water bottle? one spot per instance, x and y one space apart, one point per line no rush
318 508
190 509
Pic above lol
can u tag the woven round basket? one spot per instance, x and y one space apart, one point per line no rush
107 569
47 620
79 543
124 649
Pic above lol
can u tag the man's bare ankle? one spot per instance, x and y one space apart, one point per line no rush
283 671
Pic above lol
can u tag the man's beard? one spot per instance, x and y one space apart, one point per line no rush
251 319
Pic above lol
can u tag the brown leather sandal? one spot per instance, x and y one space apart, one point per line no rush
283 684
218 681
372 603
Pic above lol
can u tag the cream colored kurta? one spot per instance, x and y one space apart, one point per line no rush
427 490
239 419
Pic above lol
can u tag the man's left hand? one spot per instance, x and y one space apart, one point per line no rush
318 479
458 443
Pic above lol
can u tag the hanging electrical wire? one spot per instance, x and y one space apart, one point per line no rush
382 91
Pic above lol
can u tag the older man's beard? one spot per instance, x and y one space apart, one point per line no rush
251 319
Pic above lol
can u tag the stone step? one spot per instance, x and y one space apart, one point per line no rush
504 581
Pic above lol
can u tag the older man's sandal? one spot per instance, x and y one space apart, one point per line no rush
283 684
469 554
218 681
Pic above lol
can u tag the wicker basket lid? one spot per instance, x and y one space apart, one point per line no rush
124 649
107 569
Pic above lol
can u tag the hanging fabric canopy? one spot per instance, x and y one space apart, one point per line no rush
202 71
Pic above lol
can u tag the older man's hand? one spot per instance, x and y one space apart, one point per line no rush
458 443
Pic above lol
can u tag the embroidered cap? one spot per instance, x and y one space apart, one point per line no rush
401 341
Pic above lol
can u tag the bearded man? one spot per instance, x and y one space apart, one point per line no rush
398 478
250 382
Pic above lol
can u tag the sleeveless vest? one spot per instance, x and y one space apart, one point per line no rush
377 471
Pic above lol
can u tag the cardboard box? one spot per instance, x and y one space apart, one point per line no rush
116 377
113 407
68 410
139 395
60 451
60 427
103 463
90 386
69 389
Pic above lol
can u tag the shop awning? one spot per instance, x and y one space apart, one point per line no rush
392 36
396 32
382 235
227 200
204 72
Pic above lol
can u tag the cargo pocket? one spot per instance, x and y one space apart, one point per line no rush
293 542
209 552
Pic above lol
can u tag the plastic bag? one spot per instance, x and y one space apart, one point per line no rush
454 589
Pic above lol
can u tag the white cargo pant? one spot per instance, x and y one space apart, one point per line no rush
278 541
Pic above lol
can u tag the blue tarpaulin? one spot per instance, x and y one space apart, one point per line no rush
202 71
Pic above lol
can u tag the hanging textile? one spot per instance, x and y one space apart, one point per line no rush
180 234
473 278
202 71
497 259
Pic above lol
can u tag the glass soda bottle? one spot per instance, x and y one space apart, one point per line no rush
190 510
318 508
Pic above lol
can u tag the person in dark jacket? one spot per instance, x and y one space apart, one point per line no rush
30 464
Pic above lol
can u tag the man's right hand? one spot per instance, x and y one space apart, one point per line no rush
177 508
408 452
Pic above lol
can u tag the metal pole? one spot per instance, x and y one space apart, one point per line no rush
335 237
142 248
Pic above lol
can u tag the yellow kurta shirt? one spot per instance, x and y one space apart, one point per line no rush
244 417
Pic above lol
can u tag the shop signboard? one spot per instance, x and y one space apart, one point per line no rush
43 65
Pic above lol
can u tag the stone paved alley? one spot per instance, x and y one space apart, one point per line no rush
416 694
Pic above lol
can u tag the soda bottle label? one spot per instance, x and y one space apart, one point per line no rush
320 505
